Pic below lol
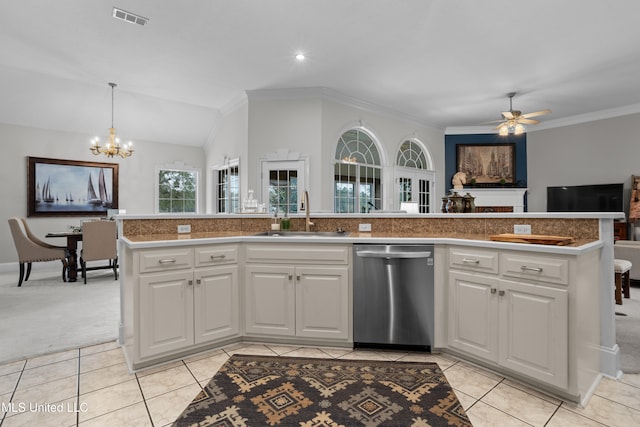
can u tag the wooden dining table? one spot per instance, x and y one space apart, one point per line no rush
73 237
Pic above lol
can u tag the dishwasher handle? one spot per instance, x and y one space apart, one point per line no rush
393 255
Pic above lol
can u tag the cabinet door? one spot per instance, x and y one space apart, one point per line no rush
166 312
534 331
270 300
322 302
216 303
473 314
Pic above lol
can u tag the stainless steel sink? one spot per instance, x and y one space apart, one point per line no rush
281 233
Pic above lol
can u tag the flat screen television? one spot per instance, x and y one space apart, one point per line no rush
585 198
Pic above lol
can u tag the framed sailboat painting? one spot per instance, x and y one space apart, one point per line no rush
69 187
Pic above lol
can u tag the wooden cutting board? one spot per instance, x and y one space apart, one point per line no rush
539 239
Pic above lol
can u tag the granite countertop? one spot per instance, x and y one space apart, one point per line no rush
480 240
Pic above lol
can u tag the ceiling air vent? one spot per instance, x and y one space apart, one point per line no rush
132 18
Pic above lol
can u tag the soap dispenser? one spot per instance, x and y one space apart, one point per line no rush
275 225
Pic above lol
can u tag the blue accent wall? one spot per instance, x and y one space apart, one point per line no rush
451 141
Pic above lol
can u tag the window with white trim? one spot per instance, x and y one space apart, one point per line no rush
357 173
177 189
227 185
283 184
415 180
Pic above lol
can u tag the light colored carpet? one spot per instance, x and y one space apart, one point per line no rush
628 332
47 315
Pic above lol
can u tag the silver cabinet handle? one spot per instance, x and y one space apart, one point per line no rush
470 261
198 281
166 261
493 290
290 276
298 277
501 293
190 282
215 257
536 269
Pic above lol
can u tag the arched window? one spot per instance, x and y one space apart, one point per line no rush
414 177
357 173
410 155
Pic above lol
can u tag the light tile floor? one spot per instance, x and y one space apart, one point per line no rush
92 386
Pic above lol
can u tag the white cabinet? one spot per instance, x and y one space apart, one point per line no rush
270 300
184 297
166 312
322 302
520 322
533 331
298 290
473 314
216 303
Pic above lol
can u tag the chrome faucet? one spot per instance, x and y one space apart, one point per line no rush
305 206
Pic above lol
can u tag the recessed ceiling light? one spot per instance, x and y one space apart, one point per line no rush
300 57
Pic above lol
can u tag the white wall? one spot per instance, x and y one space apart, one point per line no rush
390 130
229 142
599 152
310 121
136 175
282 120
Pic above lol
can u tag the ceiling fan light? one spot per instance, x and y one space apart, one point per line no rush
504 131
519 129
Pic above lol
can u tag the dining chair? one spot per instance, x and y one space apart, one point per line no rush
99 242
35 238
30 251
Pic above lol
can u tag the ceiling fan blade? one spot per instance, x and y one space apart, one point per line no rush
501 125
492 121
528 121
537 113
507 115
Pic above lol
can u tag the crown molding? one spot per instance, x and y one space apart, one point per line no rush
470 130
551 124
285 94
588 117
234 104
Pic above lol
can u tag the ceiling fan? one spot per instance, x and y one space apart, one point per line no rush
512 121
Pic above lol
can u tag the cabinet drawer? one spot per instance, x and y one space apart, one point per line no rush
535 267
474 259
165 259
216 255
308 254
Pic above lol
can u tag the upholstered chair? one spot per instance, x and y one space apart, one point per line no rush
30 251
629 250
35 238
99 242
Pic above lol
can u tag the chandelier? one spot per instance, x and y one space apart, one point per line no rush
112 146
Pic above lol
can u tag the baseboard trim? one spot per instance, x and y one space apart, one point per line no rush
610 361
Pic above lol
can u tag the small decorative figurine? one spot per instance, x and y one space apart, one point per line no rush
459 179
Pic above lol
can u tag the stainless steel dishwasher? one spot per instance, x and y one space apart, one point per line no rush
393 302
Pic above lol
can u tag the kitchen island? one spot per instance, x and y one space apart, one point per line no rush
534 312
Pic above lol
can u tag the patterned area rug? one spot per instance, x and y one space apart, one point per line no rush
258 391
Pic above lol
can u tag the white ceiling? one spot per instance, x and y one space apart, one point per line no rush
445 63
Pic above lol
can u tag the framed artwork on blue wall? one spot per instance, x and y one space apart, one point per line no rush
487 165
